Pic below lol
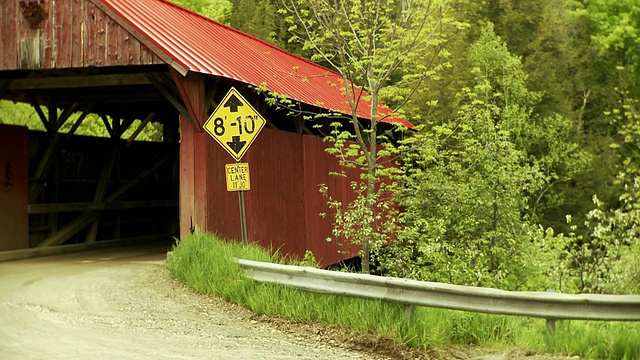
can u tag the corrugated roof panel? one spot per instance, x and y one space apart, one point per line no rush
202 45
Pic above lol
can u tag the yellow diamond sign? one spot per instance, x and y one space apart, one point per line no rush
234 124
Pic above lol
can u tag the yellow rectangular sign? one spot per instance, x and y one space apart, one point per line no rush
237 177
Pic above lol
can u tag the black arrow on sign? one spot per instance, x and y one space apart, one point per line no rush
233 103
235 144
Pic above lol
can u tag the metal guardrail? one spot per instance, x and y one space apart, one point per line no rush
547 305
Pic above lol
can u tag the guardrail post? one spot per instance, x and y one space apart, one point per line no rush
551 323
551 327
408 312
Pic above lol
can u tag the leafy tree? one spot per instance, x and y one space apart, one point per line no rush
367 42
261 19
618 29
599 253
602 256
466 182
218 10
466 191
24 115
472 183
623 223
562 66
19 114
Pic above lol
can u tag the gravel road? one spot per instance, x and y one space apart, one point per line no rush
122 304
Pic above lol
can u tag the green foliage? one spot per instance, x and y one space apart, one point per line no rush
469 183
604 256
92 125
618 25
218 10
19 114
368 41
466 191
587 339
206 264
573 82
372 220
261 19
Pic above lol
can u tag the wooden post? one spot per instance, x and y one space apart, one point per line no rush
194 153
194 176
187 177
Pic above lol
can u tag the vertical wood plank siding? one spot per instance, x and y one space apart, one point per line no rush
74 34
284 203
187 185
14 188
8 24
317 165
76 52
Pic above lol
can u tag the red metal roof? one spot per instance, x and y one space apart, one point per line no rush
202 45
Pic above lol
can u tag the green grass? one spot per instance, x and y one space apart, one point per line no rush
206 264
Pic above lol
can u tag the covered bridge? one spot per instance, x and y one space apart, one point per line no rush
153 61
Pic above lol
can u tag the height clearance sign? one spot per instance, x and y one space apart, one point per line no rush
234 124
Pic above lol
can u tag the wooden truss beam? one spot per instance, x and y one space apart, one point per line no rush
209 104
45 164
107 97
53 117
99 206
167 91
101 190
86 218
139 129
72 82
4 86
105 120
86 111
66 114
36 105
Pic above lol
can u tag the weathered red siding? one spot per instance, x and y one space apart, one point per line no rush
284 203
75 33
275 203
318 164
14 188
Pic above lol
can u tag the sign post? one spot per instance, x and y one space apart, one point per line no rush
234 124
243 218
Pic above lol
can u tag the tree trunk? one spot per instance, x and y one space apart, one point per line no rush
371 180
493 237
371 188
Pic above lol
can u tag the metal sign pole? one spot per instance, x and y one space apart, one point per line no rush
243 217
